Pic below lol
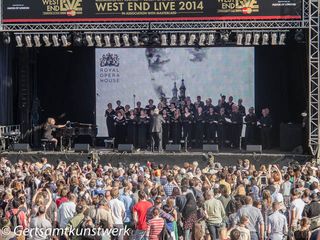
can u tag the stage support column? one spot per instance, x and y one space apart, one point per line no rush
314 81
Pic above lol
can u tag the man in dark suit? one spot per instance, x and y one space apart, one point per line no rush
156 129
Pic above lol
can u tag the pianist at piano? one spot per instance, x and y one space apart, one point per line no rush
48 128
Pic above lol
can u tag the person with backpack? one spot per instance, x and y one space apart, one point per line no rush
17 218
77 223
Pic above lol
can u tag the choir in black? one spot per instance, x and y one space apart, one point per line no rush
192 123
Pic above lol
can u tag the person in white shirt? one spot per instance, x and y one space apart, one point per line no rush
118 213
296 208
67 210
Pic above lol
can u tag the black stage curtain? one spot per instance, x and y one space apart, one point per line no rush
6 84
281 83
66 84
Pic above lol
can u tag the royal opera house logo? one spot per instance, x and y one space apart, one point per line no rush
109 71
69 8
110 60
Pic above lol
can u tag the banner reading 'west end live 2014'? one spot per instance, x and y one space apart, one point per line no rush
25 11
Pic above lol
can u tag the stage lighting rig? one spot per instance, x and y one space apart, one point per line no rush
125 38
28 41
36 39
117 40
239 38
107 41
225 36
182 40
64 40
46 40
97 38
211 39
265 39
6 38
248 39
282 39
164 40
202 39
192 39
274 37
89 40
55 40
19 40
256 38
173 40
135 40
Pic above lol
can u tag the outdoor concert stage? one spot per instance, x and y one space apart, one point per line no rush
108 156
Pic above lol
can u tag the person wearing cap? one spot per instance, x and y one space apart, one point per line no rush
156 129
277 223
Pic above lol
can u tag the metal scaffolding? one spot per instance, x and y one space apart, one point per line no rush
310 21
314 79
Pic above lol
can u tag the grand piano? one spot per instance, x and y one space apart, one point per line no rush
72 130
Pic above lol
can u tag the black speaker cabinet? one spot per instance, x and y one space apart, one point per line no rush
210 148
125 148
173 148
21 147
254 148
84 148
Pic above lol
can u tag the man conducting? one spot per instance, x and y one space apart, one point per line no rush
156 130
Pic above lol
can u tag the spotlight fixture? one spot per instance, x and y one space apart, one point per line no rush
202 39
182 40
299 35
36 39
55 41
265 39
135 40
64 41
256 38
6 38
125 38
248 39
274 37
164 40
19 41
155 39
145 39
77 39
173 40
107 40
46 40
225 36
282 39
89 40
117 40
211 39
28 41
97 38
239 38
192 39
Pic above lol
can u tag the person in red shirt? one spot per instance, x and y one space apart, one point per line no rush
63 197
140 216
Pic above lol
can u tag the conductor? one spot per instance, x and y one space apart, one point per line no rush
156 130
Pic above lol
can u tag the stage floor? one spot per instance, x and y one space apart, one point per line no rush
229 157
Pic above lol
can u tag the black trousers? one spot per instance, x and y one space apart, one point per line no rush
235 134
221 135
250 134
157 140
266 137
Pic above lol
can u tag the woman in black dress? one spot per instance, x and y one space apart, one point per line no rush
221 127
110 114
165 128
187 120
143 127
199 122
120 125
132 128
176 127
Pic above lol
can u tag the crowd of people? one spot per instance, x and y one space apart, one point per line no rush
195 123
157 202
